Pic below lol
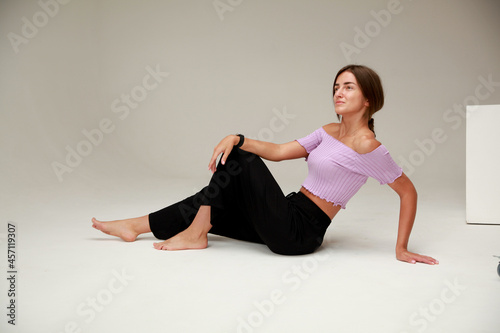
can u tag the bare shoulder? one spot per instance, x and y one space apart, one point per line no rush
366 143
331 128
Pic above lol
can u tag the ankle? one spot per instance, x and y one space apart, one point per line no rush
198 233
140 225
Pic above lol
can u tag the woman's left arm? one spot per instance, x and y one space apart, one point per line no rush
408 195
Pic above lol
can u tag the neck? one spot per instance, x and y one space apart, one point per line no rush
349 125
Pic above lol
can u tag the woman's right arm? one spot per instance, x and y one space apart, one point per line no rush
267 150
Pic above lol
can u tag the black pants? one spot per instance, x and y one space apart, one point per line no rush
246 203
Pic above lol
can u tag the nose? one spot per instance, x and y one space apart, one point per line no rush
338 93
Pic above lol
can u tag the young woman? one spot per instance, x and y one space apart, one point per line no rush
243 201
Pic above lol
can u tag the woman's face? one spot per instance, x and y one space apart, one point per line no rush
348 97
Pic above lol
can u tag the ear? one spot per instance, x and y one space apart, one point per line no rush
367 103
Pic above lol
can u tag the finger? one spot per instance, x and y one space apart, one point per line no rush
426 260
211 165
430 261
226 154
411 258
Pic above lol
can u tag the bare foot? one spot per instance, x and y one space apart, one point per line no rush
123 229
185 240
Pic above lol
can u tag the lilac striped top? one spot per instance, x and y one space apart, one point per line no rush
337 172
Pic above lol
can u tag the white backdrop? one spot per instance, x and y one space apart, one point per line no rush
126 90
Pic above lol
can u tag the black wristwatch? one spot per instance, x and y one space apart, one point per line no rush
242 140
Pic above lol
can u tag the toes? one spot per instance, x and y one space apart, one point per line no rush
160 246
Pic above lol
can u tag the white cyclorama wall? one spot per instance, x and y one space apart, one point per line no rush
125 90
483 164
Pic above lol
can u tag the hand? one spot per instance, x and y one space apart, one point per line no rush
224 147
413 258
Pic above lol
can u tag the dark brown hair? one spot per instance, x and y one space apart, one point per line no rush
371 88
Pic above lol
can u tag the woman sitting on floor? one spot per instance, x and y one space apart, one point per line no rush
243 200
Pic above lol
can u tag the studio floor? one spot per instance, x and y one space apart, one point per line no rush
72 278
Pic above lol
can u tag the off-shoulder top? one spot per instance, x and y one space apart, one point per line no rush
337 172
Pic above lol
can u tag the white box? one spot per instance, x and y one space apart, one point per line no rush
482 164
